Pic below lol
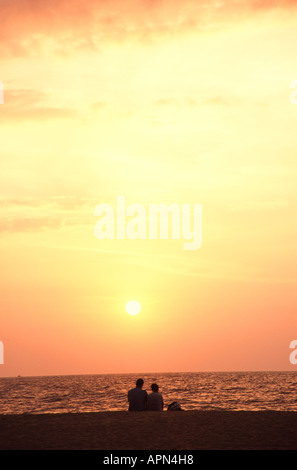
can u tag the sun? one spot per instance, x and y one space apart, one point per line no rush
133 307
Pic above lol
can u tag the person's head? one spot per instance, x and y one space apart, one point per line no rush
155 387
139 383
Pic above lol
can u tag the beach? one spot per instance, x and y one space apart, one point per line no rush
121 430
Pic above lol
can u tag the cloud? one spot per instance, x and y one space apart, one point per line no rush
184 102
37 214
254 206
192 102
28 224
271 4
33 27
98 105
26 104
221 101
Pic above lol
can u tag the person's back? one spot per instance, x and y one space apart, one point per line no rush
155 400
137 397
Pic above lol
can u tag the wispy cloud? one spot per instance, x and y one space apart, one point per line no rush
32 105
31 28
255 206
37 214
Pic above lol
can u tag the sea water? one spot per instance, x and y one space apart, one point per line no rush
194 391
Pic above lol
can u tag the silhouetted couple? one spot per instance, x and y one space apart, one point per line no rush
140 400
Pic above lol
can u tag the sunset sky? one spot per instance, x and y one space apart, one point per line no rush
164 102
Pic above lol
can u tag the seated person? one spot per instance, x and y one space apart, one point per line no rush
137 397
155 399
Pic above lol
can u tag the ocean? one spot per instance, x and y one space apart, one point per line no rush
250 391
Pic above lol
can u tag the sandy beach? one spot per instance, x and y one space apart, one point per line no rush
187 430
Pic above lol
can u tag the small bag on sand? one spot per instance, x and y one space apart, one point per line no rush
174 406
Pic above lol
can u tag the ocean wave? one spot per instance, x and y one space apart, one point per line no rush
203 391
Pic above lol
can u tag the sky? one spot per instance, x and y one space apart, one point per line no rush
160 102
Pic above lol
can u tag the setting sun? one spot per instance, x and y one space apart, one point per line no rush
133 307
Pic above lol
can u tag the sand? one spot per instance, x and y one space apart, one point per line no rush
187 430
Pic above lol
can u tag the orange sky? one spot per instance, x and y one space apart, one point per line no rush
162 102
